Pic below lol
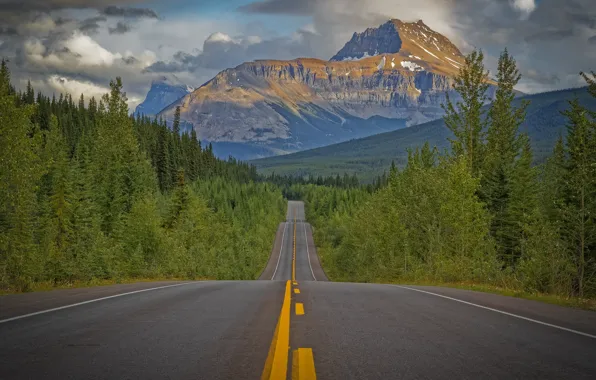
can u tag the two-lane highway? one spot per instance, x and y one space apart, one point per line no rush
295 231
297 326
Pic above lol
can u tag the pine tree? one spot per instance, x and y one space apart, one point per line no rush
502 148
22 169
120 170
579 228
180 199
465 119
523 202
176 124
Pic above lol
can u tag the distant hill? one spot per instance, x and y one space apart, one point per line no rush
370 156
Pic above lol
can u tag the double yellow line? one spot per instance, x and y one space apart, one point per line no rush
294 255
276 365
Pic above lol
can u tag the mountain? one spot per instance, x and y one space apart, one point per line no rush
383 79
369 157
162 93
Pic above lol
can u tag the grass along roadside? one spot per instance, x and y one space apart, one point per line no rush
48 285
580 303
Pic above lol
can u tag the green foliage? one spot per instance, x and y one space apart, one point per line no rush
508 180
466 119
93 193
507 222
369 157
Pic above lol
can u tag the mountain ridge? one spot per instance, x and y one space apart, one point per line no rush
370 156
291 105
163 92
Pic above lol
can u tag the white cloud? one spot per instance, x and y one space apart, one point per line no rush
524 6
75 87
219 37
90 52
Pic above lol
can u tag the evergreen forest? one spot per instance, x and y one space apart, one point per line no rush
89 192
477 213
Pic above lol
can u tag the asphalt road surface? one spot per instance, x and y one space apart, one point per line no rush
297 326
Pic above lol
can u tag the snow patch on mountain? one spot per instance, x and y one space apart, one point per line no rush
411 66
382 63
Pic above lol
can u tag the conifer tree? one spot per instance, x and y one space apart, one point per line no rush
22 169
465 119
179 200
504 145
579 227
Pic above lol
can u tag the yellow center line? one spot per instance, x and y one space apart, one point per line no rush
276 365
303 364
299 308
294 254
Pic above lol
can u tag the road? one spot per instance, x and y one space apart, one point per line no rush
298 326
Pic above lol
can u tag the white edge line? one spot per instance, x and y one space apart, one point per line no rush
86 302
501 312
281 249
307 253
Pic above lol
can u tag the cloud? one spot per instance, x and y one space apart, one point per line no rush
129 12
45 5
221 51
545 36
552 40
91 25
76 87
542 77
303 7
549 35
89 52
524 6
8 31
120 28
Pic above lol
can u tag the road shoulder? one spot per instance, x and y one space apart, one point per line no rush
13 305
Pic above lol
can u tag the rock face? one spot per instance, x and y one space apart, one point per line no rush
373 41
162 94
383 79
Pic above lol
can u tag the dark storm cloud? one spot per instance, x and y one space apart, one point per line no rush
550 35
129 12
91 25
592 40
120 28
50 5
293 7
8 31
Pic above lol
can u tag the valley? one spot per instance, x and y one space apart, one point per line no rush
371 156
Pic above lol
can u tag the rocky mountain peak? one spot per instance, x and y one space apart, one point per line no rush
391 76
411 39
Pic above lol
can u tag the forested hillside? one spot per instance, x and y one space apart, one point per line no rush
371 156
481 213
89 192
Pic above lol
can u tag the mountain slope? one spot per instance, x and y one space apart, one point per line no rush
370 156
398 71
161 94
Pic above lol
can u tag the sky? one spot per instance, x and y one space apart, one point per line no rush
77 46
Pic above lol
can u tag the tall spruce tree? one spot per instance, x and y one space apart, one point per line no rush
503 146
579 230
20 146
466 118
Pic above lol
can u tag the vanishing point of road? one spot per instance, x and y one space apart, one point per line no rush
293 324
